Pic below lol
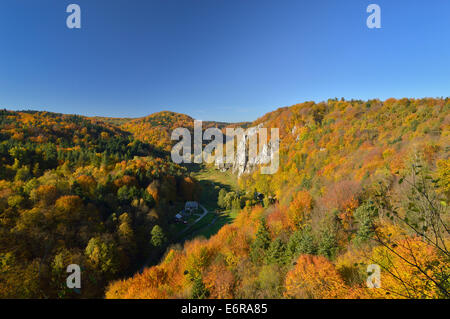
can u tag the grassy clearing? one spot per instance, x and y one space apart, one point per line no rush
213 224
209 173
211 181
202 224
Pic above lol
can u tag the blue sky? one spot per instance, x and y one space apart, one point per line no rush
225 60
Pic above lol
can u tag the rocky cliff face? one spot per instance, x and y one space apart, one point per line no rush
244 162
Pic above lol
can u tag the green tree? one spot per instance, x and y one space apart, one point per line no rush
102 252
302 242
365 216
328 244
158 238
261 242
276 253
199 291
221 198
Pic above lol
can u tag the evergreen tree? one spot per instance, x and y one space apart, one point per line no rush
199 290
276 253
302 242
261 242
365 216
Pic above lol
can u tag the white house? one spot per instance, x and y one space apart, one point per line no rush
189 206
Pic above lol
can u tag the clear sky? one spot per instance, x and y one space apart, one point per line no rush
225 60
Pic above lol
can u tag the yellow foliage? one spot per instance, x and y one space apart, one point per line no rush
300 209
410 269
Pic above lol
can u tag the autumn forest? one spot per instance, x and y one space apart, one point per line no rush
359 183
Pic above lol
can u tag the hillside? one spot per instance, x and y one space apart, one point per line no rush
116 121
360 182
75 190
156 128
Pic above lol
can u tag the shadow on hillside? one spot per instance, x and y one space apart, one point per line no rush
209 188
210 193
194 168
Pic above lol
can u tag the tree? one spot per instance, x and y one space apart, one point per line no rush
69 203
302 242
236 203
126 233
87 184
270 282
188 188
261 242
413 269
228 200
423 216
365 218
126 194
328 244
219 282
158 238
221 198
276 253
102 253
47 194
300 209
23 173
153 190
443 175
314 277
199 290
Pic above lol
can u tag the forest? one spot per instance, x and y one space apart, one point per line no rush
79 191
360 183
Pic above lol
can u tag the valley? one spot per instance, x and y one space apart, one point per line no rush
359 182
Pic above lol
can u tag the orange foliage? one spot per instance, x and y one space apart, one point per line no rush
69 203
346 212
153 189
341 195
314 277
278 221
300 209
219 281
87 183
47 194
126 180
335 152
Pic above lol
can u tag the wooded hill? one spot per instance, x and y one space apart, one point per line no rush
75 190
156 128
360 182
